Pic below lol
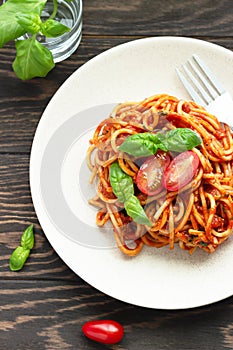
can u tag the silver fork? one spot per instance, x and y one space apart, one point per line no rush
205 90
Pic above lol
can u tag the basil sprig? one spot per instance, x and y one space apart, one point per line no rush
21 253
123 188
19 17
147 144
144 144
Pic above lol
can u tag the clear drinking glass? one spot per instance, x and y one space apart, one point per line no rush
69 13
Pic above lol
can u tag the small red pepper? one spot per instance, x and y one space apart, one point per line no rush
103 331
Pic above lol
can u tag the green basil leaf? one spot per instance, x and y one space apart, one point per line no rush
27 239
31 22
52 28
25 6
136 211
32 59
142 145
10 29
122 183
182 139
123 188
18 258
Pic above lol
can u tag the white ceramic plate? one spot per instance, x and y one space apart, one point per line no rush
59 177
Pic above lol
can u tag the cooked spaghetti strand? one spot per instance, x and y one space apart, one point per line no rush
197 215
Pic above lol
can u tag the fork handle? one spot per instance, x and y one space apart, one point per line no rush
222 108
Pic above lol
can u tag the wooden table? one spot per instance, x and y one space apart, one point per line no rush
44 305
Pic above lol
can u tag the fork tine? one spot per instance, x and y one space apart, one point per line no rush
196 83
190 89
209 75
206 83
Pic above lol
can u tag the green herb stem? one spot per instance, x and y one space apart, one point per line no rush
53 14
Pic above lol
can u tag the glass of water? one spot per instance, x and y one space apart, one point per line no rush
68 13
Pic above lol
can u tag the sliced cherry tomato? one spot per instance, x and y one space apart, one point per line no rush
149 176
103 331
180 171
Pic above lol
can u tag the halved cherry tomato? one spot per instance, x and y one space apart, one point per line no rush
149 176
103 331
180 171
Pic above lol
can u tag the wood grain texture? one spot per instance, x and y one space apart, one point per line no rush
45 304
168 17
50 314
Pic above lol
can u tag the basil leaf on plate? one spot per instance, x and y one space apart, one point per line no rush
136 212
123 188
182 139
142 145
147 144
122 183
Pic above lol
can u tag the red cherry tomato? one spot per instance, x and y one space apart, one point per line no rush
180 171
103 331
149 176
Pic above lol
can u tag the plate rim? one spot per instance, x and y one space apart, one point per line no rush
44 116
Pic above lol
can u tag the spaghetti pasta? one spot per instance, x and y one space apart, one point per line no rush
197 215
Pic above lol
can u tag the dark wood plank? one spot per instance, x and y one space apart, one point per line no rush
143 17
49 315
